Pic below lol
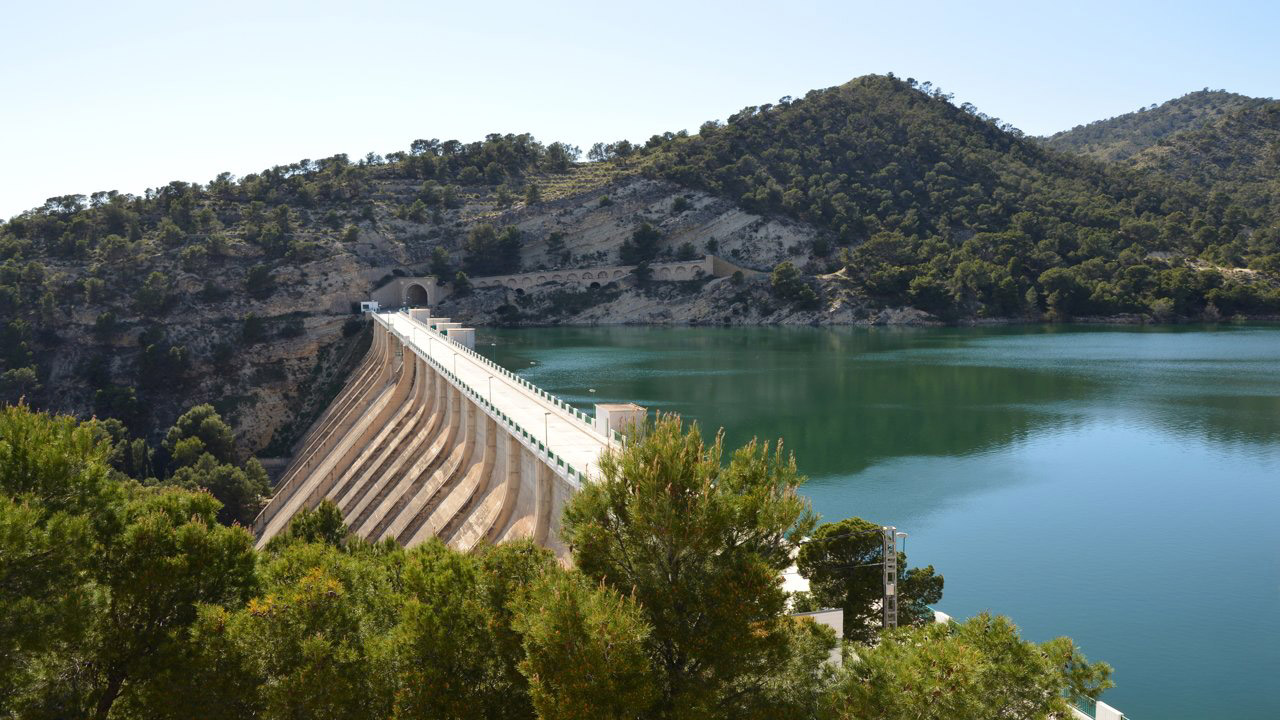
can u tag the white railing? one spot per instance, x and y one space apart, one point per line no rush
556 462
565 408
1100 711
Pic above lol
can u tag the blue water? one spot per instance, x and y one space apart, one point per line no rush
1117 485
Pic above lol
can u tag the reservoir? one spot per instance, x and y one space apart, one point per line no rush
1120 485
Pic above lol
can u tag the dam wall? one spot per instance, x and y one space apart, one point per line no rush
430 439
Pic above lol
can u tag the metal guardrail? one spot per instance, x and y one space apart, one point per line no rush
568 409
557 463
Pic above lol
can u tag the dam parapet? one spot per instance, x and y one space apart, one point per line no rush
429 438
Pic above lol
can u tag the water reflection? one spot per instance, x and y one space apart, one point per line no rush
1067 476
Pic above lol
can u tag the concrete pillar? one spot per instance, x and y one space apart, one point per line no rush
445 327
465 337
422 315
618 417
435 321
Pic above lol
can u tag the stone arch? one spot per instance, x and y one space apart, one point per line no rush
512 282
415 295
556 277
617 274
542 279
664 272
595 285
573 277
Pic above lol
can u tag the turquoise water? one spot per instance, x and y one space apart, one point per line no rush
1118 485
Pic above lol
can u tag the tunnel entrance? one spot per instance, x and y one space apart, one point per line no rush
416 296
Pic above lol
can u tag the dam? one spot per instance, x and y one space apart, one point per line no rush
430 439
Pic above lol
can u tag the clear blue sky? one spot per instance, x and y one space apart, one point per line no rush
130 95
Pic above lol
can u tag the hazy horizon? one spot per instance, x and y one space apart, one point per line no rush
127 97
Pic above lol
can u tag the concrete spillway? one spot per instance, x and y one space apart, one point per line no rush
430 439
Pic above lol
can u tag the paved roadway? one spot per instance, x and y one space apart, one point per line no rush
566 436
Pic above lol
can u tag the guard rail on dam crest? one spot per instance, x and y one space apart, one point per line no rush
428 438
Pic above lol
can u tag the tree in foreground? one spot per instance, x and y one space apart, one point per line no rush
102 578
587 650
843 564
975 670
700 546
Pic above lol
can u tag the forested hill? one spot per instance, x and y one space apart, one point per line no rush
1239 154
946 210
876 201
1123 136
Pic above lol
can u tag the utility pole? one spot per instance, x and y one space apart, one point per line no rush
889 605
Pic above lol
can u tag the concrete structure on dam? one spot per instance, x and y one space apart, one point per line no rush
430 439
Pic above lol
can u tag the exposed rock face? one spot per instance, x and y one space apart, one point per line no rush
271 359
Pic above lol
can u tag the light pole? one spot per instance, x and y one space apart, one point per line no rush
889 566
546 429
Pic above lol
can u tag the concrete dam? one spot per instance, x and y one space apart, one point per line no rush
430 439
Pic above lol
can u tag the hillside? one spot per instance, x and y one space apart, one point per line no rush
1121 137
1238 154
239 292
942 210
876 201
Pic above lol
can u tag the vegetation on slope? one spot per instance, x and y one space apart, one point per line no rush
943 209
1121 137
126 601
1238 156
126 306
232 292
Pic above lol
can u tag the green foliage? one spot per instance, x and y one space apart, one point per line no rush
322 524
699 545
972 215
202 454
108 575
789 286
441 265
641 247
489 251
311 641
962 671
241 492
126 601
560 156
558 253
842 561
587 651
461 284
211 435
17 383
152 298
1123 136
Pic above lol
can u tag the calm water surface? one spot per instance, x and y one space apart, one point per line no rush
1118 485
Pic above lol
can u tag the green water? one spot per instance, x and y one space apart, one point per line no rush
1118 485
